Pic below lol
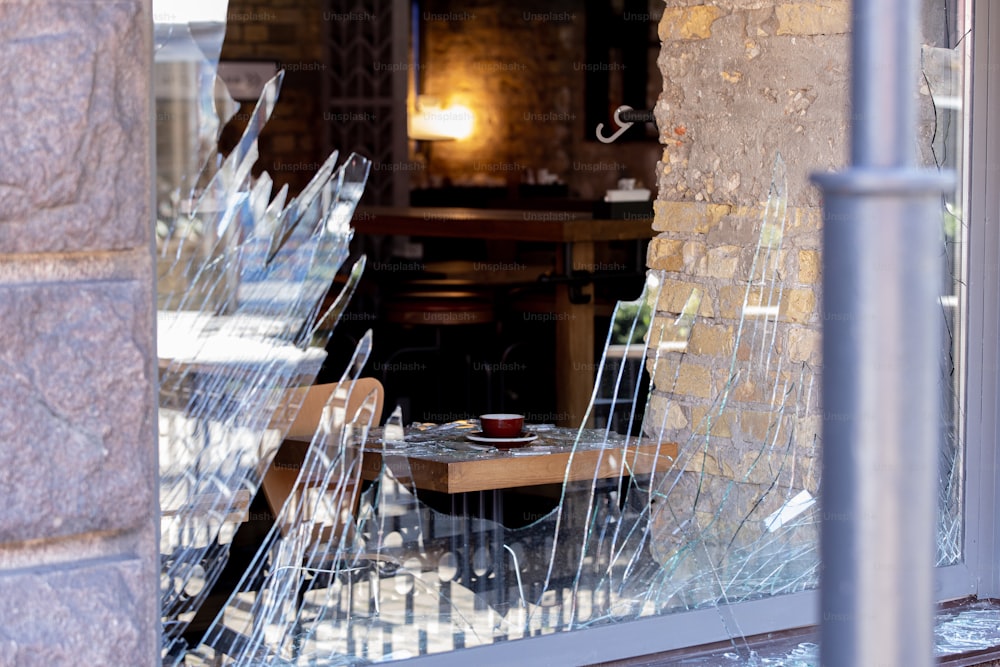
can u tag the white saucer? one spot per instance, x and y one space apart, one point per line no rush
477 436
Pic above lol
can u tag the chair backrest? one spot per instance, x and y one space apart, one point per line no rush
313 398
278 482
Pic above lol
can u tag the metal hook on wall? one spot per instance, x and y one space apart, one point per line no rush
625 117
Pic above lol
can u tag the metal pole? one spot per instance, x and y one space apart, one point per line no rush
885 50
881 345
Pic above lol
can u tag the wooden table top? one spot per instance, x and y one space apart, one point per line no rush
504 470
543 226
441 459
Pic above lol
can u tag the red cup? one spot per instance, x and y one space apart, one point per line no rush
502 425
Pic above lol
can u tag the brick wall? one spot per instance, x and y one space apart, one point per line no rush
516 65
519 66
289 33
754 100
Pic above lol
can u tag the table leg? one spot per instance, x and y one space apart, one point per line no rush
464 553
575 368
499 553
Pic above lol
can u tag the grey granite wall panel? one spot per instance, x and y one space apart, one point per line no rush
76 409
74 616
78 509
75 126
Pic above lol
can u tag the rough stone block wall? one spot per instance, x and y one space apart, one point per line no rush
79 566
744 83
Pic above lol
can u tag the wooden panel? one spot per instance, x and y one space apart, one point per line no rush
543 226
456 475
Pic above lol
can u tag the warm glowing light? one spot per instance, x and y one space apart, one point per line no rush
432 122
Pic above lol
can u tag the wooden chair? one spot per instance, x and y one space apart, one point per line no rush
278 483
298 419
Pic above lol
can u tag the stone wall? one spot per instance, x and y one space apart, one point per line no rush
78 533
747 95
754 100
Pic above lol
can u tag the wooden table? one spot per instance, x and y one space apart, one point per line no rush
428 462
458 473
476 481
427 465
577 232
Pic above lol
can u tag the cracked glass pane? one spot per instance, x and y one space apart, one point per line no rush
736 516
455 543
400 547
242 280
696 487
944 96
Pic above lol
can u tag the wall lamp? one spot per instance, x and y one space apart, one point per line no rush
429 120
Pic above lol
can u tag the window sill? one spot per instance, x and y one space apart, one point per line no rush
802 643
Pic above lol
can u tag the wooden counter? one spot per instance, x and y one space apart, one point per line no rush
576 231
541 226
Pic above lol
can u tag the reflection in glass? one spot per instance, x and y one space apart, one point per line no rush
944 98
397 542
454 544
241 282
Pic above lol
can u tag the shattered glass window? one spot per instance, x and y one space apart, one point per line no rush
387 541
242 277
944 97
406 540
